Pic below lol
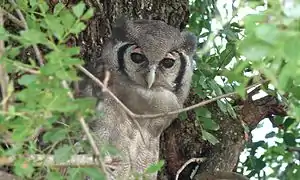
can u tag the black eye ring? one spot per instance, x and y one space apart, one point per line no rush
167 63
138 58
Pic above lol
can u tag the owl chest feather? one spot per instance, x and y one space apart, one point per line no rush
139 149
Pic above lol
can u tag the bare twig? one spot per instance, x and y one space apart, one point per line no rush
296 149
123 106
88 134
31 71
105 81
12 18
197 160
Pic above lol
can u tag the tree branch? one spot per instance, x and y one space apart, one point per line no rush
12 18
197 160
88 134
41 160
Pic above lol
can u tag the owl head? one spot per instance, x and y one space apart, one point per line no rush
151 54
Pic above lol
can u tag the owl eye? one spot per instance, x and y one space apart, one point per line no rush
138 58
167 62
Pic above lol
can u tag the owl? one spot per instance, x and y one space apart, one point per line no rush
151 67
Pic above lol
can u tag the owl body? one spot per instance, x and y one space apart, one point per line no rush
151 68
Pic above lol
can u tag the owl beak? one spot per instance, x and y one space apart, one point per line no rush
151 77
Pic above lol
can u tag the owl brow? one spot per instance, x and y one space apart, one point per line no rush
121 62
179 78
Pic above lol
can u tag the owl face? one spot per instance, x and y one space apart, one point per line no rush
151 54
167 71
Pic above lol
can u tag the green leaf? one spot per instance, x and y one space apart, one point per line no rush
255 50
88 14
33 36
22 4
43 6
231 111
289 139
54 176
155 167
3 33
78 27
209 124
32 3
268 33
209 137
278 120
58 7
23 168
27 79
286 75
241 90
63 154
270 134
215 87
290 49
78 9
288 122
203 112
55 135
74 174
183 116
93 173
49 69
259 164
69 75
58 101
67 18
55 26
222 106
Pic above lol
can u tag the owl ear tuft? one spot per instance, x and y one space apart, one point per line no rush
189 42
123 30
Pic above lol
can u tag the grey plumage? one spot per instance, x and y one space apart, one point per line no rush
151 69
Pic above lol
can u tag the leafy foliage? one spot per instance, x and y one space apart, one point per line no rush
42 100
262 45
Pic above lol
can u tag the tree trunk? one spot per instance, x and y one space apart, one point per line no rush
182 140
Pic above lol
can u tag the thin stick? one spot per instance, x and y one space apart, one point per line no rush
12 18
40 160
198 160
88 134
105 81
123 106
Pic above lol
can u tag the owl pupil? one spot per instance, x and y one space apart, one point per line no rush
138 58
167 62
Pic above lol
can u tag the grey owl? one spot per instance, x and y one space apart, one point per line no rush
151 69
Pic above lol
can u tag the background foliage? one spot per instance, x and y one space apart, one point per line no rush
261 45
233 52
